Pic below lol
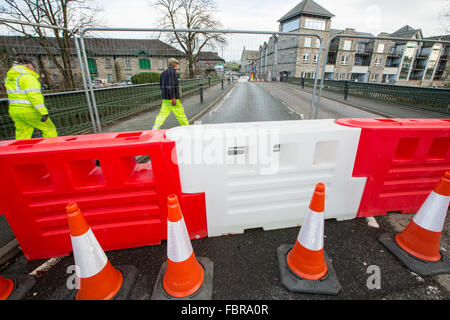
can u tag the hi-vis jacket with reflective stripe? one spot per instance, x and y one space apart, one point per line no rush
24 90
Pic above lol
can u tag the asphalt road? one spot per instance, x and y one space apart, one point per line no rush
245 265
300 102
249 102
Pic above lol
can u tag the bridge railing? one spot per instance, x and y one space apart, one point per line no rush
427 98
430 99
70 113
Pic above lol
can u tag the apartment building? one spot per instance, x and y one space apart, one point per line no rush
363 59
296 56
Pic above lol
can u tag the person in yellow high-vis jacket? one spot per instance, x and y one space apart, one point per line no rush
26 102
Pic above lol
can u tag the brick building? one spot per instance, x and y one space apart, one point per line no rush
109 60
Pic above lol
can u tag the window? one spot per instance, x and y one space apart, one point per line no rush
282 58
110 78
404 72
92 65
374 77
144 64
361 48
435 54
317 43
308 75
305 57
55 78
409 52
316 57
347 45
378 61
315 24
380 48
283 44
308 42
129 77
292 56
127 64
291 25
293 41
344 60
51 64
108 63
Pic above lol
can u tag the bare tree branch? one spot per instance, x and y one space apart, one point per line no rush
71 15
190 14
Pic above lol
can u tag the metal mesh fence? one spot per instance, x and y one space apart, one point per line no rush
56 64
370 65
436 100
123 69
125 66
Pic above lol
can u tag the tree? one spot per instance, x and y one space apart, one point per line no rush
444 18
195 15
72 15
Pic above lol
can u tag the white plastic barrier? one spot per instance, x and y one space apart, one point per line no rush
263 174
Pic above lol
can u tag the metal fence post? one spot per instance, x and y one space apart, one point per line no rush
346 85
201 93
303 83
78 54
222 83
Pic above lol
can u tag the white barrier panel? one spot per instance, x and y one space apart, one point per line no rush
263 174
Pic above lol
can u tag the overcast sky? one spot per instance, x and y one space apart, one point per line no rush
372 16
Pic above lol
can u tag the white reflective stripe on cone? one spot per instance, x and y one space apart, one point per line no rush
311 232
179 246
89 256
432 213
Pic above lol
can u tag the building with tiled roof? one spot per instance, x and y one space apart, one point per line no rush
110 60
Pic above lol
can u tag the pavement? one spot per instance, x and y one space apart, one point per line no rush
372 106
193 107
245 265
299 101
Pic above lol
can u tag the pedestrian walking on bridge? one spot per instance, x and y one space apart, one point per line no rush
170 97
26 102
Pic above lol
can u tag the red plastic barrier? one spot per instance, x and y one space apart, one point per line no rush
403 159
124 202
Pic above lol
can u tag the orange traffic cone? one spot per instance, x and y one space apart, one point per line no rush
6 288
417 246
306 259
15 287
98 279
305 266
183 275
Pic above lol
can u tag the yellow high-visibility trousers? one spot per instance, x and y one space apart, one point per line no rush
27 119
166 109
